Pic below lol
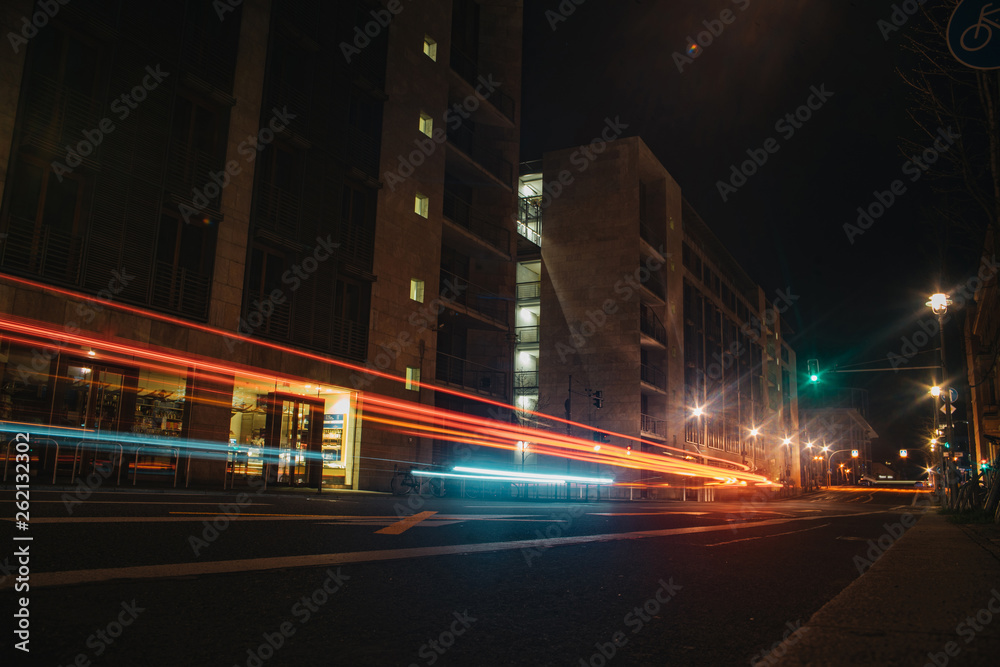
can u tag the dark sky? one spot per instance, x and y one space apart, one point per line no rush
785 225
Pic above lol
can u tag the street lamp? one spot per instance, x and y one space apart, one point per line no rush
938 304
829 456
698 412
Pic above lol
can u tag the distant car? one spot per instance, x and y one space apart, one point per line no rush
923 483
864 482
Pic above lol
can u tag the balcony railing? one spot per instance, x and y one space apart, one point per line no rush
526 380
470 375
650 325
529 290
180 290
456 290
473 145
41 250
656 427
527 334
529 233
652 375
463 214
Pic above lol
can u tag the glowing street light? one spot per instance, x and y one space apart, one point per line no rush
939 303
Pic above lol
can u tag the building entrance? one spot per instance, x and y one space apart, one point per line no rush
293 436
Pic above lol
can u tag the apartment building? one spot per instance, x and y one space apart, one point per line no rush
217 218
644 324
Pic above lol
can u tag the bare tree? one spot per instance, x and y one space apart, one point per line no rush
948 94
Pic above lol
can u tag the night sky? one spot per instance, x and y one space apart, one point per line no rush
785 225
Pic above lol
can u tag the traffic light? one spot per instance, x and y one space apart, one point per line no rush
813 369
599 399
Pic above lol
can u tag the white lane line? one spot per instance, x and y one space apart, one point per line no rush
131 502
761 537
327 518
44 579
667 513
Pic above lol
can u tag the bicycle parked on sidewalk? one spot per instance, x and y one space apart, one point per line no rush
404 482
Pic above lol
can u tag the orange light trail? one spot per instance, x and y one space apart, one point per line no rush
470 428
418 419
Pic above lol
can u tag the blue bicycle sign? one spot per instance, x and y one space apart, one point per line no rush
974 34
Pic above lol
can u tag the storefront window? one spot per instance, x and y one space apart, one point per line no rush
25 392
292 433
159 404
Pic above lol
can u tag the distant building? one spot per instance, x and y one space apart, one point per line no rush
837 418
624 290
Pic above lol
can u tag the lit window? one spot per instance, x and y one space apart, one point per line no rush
417 290
426 124
421 205
430 48
412 378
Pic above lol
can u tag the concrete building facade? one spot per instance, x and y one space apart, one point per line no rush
638 300
219 218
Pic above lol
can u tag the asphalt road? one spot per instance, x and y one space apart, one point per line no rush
209 579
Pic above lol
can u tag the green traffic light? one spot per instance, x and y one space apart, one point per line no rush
814 378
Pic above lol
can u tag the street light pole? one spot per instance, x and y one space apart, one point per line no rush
939 306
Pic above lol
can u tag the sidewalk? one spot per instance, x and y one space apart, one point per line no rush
932 599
